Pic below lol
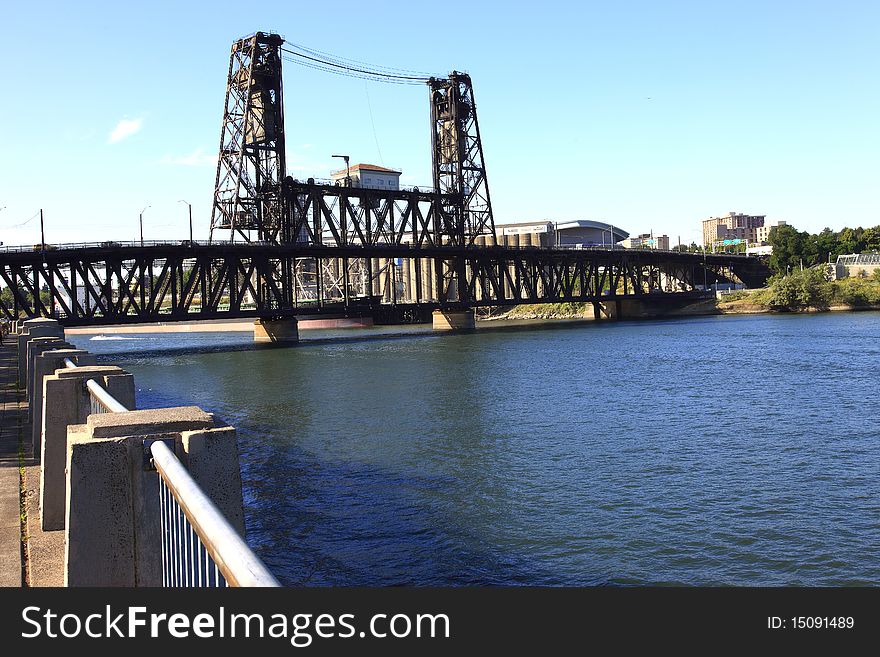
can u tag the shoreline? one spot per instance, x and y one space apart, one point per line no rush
246 325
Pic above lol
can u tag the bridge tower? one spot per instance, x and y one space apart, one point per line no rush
248 199
457 155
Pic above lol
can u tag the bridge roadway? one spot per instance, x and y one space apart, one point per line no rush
119 283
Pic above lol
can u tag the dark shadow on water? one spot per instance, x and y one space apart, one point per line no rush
330 523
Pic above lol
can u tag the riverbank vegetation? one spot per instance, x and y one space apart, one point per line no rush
808 289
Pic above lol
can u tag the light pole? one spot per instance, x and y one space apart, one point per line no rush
705 264
141 219
189 205
347 170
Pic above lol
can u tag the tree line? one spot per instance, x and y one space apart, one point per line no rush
793 249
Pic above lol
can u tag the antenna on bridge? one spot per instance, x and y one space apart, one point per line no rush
248 198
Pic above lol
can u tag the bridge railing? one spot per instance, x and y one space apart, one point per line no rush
39 248
200 548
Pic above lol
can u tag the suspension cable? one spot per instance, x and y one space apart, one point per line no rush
331 65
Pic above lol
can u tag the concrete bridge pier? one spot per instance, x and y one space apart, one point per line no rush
276 331
607 309
453 320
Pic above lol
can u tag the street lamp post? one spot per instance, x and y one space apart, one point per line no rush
141 220
347 170
189 205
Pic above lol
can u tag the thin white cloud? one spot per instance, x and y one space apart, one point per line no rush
198 158
125 128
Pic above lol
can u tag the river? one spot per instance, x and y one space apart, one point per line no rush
703 451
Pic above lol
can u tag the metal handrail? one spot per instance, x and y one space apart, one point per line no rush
100 395
236 561
108 401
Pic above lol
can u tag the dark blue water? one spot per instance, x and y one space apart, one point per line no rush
717 450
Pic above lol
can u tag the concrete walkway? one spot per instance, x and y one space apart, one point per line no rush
12 414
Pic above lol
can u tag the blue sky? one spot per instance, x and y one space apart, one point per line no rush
648 115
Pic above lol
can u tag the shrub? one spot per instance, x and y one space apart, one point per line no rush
800 289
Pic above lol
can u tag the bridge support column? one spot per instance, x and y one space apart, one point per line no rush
280 331
607 310
453 320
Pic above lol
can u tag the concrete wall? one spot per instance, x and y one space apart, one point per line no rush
96 482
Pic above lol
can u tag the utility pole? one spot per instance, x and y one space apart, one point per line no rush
42 232
190 218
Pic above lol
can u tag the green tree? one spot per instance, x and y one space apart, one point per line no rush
871 237
788 248
826 245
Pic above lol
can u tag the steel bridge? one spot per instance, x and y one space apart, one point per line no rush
99 284
282 248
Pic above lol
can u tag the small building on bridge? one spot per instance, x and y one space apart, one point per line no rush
369 176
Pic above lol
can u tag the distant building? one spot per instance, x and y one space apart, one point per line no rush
647 241
735 226
369 176
762 233
855 264
578 232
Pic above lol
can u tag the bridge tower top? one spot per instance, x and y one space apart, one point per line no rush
248 199
457 155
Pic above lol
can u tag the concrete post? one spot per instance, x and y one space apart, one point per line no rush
34 328
45 364
276 330
34 347
113 528
66 402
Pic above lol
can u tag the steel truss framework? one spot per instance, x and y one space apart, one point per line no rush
250 166
457 156
192 281
256 201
